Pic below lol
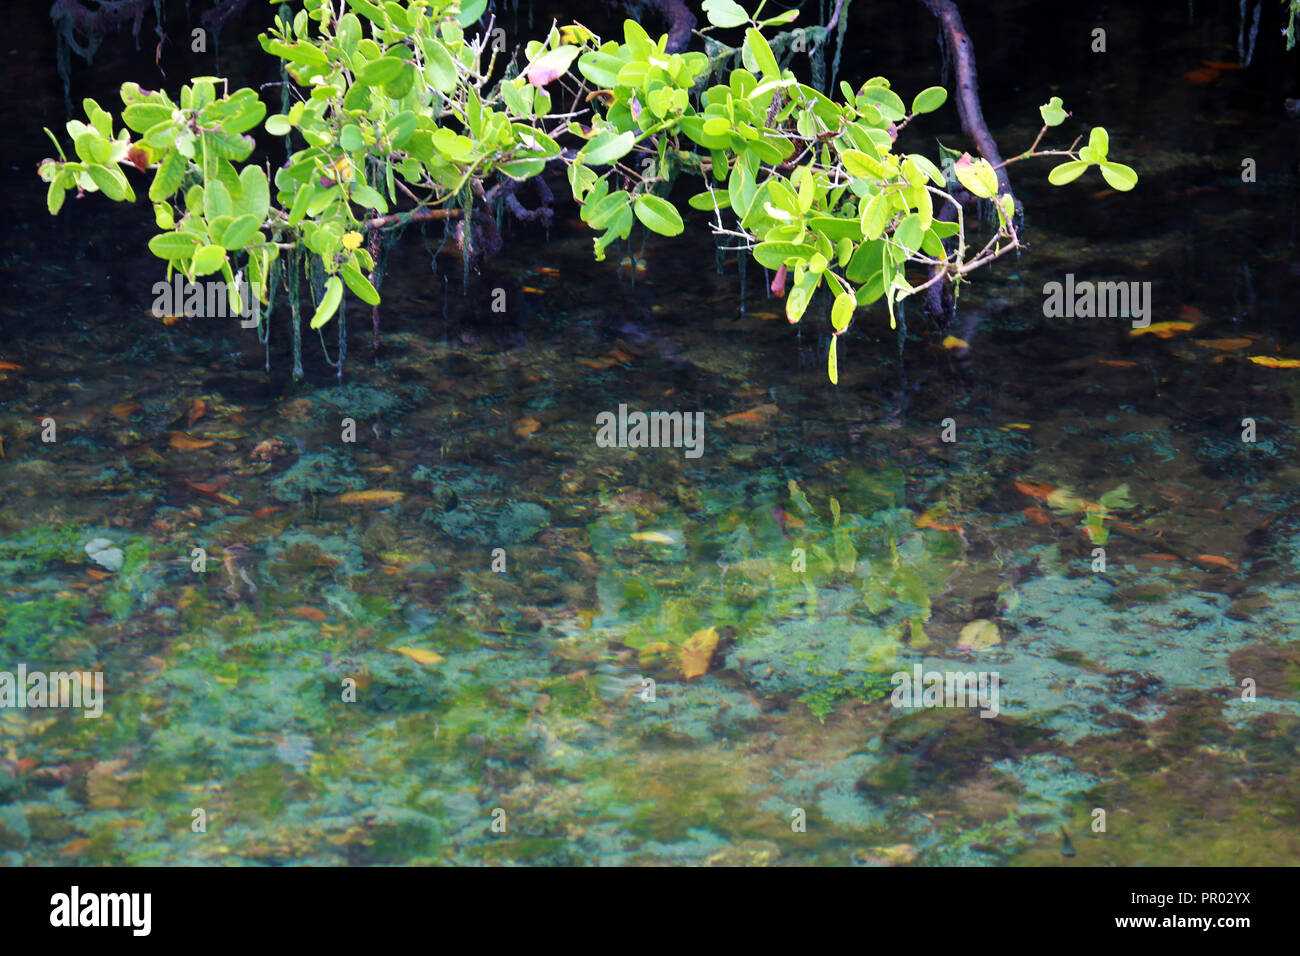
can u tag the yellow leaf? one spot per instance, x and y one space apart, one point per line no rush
351 240
979 636
419 655
1163 330
656 537
952 342
371 496
698 651
1269 361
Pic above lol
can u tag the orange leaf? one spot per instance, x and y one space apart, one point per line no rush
313 614
198 408
697 652
97 575
1158 557
183 442
599 364
1190 313
76 847
1268 361
1117 363
758 415
10 367
123 411
1215 559
534 291
1224 345
371 496
1038 516
1163 330
526 426
547 271
268 510
1033 490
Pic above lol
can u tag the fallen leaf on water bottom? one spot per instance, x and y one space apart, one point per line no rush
1216 559
183 442
419 655
526 426
979 636
1268 361
371 496
313 614
697 652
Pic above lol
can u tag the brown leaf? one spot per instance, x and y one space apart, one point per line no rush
198 408
752 417
306 611
183 442
526 426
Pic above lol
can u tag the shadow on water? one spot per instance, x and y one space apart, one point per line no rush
359 623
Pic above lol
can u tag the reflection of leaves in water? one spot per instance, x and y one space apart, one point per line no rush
860 582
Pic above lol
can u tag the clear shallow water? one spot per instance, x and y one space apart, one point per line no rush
523 689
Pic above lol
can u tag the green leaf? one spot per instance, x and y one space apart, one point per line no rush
1066 173
54 198
658 215
228 145
1119 176
112 183
909 232
438 64
329 302
254 194
278 124
306 192
359 284
842 311
929 99
208 259
1099 142
350 138
833 362
470 13
710 202
977 176
142 117
216 200
240 231
386 68
858 163
168 178
601 68
796 302
762 53
607 147
725 13
1053 112
773 255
